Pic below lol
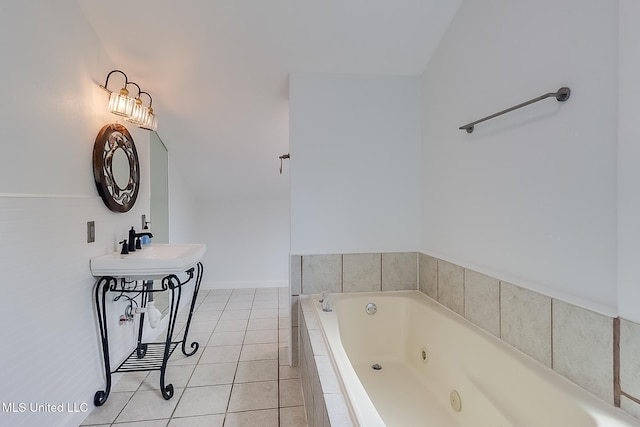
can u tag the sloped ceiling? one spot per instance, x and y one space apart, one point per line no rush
218 71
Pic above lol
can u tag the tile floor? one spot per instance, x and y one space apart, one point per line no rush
238 378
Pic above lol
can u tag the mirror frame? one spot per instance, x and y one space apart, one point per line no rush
112 137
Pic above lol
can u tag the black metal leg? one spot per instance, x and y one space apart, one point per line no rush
102 286
194 345
141 349
167 391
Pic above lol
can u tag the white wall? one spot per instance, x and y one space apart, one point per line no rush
49 120
247 242
628 160
247 239
529 197
355 161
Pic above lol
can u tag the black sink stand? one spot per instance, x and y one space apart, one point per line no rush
146 356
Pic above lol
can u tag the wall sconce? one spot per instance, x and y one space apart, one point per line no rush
132 109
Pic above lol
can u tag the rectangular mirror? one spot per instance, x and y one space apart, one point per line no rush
159 211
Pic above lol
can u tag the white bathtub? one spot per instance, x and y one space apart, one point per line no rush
497 385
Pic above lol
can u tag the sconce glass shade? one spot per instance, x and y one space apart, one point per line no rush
152 121
129 107
121 103
139 113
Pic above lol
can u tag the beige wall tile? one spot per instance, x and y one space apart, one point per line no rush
482 301
399 271
321 273
295 275
630 358
526 321
583 348
362 272
294 346
451 286
428 275
294 311
630 407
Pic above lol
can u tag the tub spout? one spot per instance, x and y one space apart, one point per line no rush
327 305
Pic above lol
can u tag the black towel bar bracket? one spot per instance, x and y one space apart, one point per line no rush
561 95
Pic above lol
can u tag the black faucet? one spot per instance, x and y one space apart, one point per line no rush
139 235
132 240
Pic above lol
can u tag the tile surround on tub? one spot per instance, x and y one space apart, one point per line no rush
575 342
630 407
296 274
337 410
321 273
630 359
525 321
362 272
399 271
482 301
328 379
451 286
336 273
323 399
294 310
583 348
428 275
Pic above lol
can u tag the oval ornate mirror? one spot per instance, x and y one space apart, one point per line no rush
116 169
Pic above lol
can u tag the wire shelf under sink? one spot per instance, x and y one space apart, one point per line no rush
152 359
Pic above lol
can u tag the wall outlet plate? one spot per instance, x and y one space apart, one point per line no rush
91 231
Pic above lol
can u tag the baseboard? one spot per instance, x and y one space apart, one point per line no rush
245 285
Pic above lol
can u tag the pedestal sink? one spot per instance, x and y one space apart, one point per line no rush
153 261
127 275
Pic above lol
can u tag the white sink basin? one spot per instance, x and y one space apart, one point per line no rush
153 261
